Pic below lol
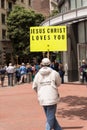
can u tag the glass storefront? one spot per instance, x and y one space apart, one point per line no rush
82 54
84 2
86 30
77 45
81 32
77 4
72 4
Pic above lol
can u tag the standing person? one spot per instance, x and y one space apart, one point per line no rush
29 68
29 73
45 84
33 71
56 66
23 71
18 74
83 70
61 72
2 74
37 67
10 72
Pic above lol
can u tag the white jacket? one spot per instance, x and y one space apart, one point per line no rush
46 82
10 69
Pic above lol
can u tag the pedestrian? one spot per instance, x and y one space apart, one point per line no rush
2 74
37 67
61 72
18 74
33 71
29 68
23 71
56 65
10 72
45 84
29 72
83 70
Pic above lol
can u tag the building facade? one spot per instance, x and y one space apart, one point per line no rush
73 14
5 44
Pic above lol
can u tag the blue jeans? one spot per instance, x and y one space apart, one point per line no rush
51 119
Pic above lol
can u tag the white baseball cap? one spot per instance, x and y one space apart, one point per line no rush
23 64
45 61
83 61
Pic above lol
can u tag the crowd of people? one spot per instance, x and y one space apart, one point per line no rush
18 74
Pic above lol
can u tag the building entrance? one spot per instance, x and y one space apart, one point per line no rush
82 54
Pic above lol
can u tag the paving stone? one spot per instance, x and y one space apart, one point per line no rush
20 110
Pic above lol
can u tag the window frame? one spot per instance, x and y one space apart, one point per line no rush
3 34
2 3
3 18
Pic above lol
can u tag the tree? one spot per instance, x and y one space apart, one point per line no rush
54 12
18 23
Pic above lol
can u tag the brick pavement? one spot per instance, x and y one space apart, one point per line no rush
19 108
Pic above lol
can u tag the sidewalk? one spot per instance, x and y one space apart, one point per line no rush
20 110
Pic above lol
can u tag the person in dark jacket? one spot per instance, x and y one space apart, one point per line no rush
61 72
18 74
2 75
83 70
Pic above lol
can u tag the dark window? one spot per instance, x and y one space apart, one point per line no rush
29 2
3 18
22 1
10 6
2 3
3 34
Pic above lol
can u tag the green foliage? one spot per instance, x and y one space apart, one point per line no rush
18 22
54 12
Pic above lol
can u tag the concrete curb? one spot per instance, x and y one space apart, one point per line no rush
75 83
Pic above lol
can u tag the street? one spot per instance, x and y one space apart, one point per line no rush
20 110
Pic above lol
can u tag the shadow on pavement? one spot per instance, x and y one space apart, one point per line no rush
74 106
76 127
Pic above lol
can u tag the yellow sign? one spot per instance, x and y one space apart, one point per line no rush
48 38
